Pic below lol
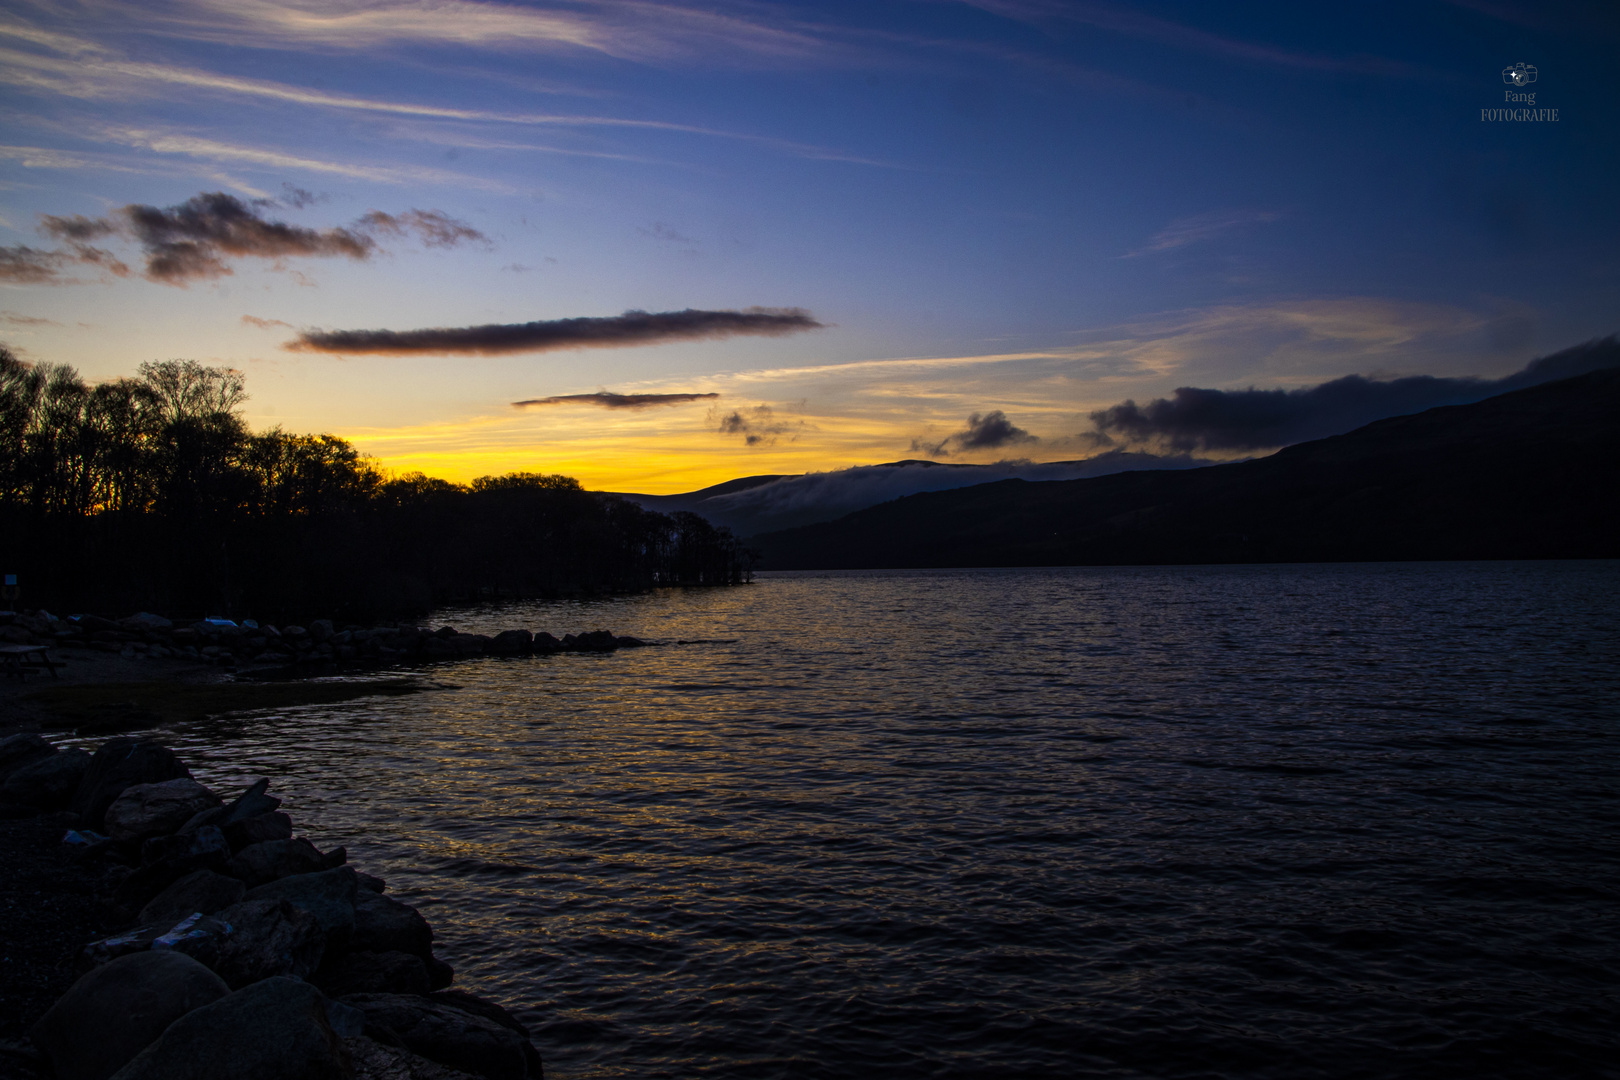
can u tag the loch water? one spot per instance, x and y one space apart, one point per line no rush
1262 821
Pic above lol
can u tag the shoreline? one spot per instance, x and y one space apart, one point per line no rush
233 899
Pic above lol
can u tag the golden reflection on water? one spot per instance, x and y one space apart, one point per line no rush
940 823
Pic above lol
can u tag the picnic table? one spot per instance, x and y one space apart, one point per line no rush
19 658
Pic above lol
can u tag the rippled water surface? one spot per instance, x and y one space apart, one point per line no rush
1304 821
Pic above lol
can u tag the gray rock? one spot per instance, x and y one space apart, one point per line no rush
447 1035
146 810
264 862
48 782
250 804
375 884
273 1030
545 643
145 620
328 895
120 1008
256 830
321 629
18 750
375 1061
460 999
373 973
166 860
383 924
512 643
268 937
120 764
203 891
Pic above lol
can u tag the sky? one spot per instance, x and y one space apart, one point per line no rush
853 232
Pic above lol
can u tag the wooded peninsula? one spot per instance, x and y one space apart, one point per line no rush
151 493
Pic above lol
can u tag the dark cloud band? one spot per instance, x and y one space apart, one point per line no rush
631 328
615 401
1194 419
195 240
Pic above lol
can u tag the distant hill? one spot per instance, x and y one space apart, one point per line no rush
755 504
1529 474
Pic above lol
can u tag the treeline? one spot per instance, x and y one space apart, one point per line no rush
152 493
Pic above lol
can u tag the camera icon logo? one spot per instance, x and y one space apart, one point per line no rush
1519 75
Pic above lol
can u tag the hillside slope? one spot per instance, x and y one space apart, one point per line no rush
1529 474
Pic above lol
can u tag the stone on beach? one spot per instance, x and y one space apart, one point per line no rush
264 862
512 643
118 765
202 891
273 1030
46 783
167 859
446 1034
116 1011
19 750
256 830
383 924
375 1061
328 895
268 937
146 810
373 973
250 804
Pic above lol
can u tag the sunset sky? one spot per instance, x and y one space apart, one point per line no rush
947 209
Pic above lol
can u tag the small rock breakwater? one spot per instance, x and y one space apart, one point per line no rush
230 643
246 951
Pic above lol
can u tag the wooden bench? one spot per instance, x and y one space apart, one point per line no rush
19 658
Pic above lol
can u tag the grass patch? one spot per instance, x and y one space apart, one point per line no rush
100 707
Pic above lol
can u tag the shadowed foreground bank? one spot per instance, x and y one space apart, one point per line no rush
237 950
1525 475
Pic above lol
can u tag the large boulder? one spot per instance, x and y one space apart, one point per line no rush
373 973
250 804
146 810
376 1061
448 1035
512 643
167 859
120 1008
268 937
121 764
48 782
202 891
383 924
460 999
273 1030
19 750
256 830
264 862
145 620
328 895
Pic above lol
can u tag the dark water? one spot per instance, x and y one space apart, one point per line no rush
1332 821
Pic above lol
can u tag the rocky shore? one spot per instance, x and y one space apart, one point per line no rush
229 643
238 950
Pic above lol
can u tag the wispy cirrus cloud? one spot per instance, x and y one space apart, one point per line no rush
1201 227
623 29
1177 35
615 331
607 400
111 78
